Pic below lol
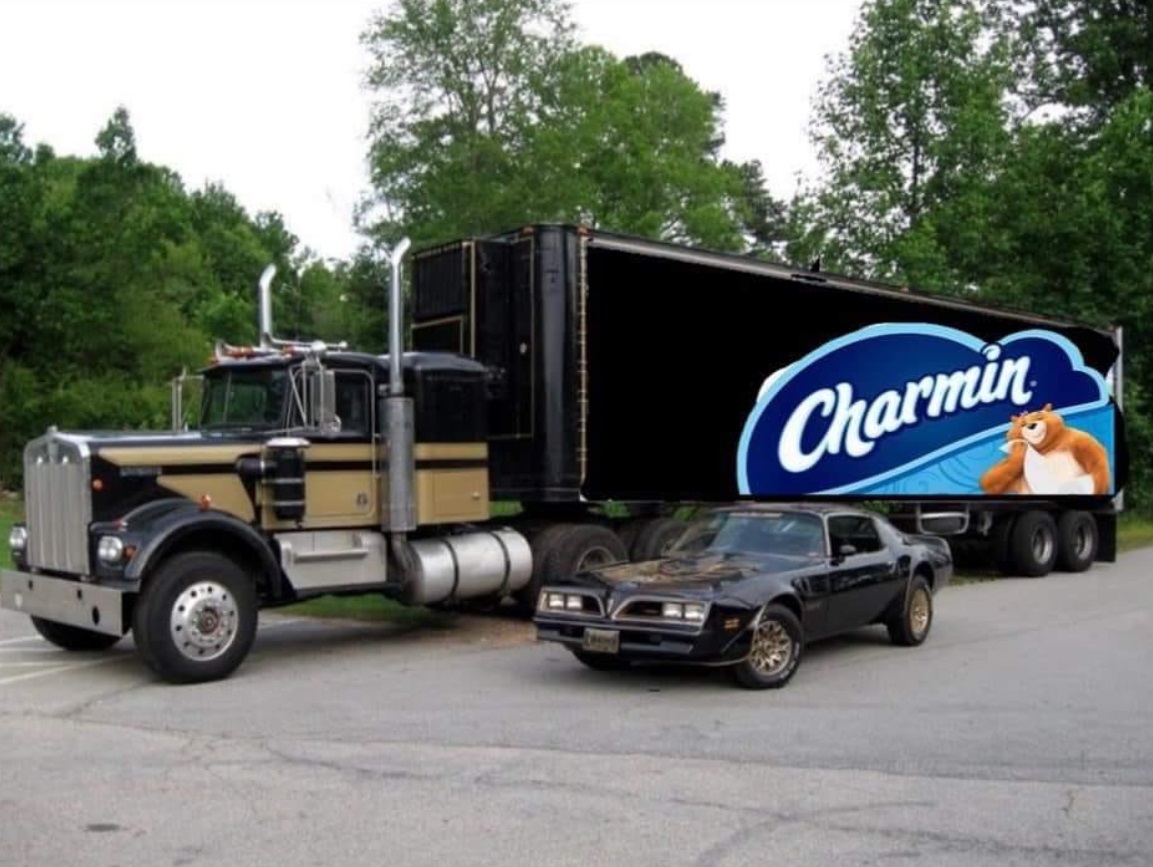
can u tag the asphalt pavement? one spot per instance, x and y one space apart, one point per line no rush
1020 734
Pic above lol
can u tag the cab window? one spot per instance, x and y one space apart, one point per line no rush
860 531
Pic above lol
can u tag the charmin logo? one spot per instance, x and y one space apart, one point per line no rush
907 409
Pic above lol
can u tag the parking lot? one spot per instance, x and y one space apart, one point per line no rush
1021 733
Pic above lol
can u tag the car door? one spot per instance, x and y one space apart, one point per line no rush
862 571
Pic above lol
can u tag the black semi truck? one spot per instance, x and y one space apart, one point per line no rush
565 393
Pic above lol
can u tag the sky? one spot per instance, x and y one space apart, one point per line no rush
267 98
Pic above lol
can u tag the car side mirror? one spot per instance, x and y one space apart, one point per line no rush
847 550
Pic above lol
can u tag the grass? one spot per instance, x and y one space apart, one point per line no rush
11 511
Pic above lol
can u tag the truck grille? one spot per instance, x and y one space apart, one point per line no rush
57 503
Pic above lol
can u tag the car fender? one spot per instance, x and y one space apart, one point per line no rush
160 528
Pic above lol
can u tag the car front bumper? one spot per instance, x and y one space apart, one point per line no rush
710 645
64 600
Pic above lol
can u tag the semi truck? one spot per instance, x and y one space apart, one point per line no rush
565 394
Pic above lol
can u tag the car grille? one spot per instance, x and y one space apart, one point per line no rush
57 503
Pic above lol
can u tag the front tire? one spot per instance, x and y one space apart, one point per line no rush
778 642
72 638
195 620
911 627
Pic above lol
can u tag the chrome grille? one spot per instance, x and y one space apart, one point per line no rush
57 503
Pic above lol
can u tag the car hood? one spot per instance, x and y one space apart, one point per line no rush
694 573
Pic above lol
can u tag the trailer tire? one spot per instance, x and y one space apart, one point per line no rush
1077 540
654 539
1033 544
72 638
1000 538
195 619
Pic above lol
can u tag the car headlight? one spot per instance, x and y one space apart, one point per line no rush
109 549
694 612
18 540
561 602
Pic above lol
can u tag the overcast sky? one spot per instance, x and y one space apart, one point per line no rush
266 97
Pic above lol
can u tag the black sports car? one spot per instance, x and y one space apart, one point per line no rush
748 586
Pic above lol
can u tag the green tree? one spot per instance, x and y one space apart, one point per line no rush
494 115
909 127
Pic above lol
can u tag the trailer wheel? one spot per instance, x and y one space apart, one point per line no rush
195 620
1001 538
654 539
1076 541
1033 544
72 637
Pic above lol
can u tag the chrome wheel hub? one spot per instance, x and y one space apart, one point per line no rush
772 648
204 620
594 558
1042 546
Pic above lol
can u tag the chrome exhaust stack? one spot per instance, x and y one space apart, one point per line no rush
266 340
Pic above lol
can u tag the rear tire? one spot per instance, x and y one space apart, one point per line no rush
1077 540
1033 544
911 627
775 652
654 538
562 550
195 620
72 638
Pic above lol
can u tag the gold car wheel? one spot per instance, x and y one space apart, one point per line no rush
919 611
772 649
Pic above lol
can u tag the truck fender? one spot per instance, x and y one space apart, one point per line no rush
170 526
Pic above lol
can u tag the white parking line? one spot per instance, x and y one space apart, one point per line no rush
16 678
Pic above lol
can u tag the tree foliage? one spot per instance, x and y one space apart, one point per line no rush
492 114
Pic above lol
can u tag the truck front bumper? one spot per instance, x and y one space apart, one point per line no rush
63 600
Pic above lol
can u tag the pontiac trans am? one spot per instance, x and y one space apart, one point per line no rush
748 587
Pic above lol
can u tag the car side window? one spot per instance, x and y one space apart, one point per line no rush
857 530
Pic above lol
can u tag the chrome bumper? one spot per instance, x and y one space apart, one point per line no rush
87 606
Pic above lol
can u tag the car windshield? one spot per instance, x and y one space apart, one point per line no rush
244 399
796 534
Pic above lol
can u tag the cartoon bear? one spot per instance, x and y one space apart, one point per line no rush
1046 457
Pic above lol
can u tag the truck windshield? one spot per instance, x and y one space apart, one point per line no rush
244 399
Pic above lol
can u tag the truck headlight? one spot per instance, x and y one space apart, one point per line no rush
18 539
109 549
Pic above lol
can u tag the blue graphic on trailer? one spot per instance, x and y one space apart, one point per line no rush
901 409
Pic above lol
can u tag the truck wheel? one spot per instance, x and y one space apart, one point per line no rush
654 538
1076 541
72 637
911 627
1033 544
1001 537
565 549
775 651
195 620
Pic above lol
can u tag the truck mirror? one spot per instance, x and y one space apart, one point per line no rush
322 401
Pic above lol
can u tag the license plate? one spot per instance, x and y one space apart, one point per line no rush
602 640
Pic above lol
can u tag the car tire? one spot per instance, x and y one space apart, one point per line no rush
1077 540
72 638
187 585
775 650
911 627
653 539
602 661
1033 544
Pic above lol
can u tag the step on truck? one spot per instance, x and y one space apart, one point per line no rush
565 396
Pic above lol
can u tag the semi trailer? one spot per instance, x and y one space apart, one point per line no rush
565 393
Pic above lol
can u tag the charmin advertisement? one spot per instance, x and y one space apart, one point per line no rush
924 410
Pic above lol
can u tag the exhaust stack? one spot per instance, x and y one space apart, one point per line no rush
266 340
400 515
